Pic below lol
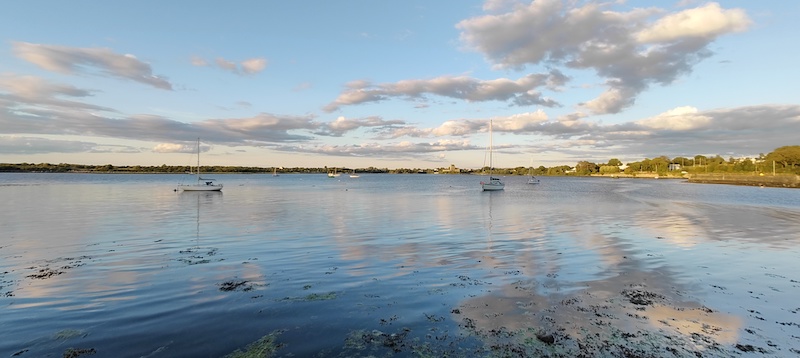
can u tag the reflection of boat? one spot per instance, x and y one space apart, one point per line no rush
494 183
354 175
333 174
196 254
532 179
203 184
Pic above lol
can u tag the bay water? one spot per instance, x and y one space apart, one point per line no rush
122 265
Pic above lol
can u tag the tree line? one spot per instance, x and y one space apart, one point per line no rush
785 159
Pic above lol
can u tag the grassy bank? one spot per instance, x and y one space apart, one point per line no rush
780 180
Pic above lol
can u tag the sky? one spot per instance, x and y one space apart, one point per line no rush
395 84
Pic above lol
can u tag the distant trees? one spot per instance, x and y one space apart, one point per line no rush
784 159
586 168
609 169
787 156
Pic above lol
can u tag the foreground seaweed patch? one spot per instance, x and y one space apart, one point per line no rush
625 316
239 285
197 255
313 297
3 283
66 263
77 352
234 285
66 334
435 342
375 340
264 347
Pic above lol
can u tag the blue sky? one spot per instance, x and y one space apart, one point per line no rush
393 84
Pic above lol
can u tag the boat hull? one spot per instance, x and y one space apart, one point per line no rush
200 187
492 185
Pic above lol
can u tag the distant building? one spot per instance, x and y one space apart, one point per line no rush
452 169
674 166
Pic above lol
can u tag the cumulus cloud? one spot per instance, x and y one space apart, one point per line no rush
522 123
249 66
174 148
342 125
103 61
703 22
631 50
521 92
678 119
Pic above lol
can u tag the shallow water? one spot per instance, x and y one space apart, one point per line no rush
124 265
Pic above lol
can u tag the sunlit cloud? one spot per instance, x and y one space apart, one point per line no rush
681 119
708 21
632 50
96 61
520 92
342 125
249 66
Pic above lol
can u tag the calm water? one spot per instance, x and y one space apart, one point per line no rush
125 266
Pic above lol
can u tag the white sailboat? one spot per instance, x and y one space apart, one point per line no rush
333 174
494 183
354 175
275 171
203 184
532 179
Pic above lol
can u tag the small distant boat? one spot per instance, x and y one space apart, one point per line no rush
354 175
203 184
532 179
494 184
275 171
333 174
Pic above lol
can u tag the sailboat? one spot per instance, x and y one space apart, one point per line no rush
494 183
333 174
275 171
203 184
532 179
354 175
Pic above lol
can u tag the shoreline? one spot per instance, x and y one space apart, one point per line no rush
791 181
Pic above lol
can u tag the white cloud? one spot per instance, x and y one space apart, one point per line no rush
31 95
254 65
173 148
631 50
707 21
72 60
342 125
247 67
678 119
520 123
520 92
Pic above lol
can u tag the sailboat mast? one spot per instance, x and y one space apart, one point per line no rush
491 154
198 158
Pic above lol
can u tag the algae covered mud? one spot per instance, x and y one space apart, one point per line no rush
302 265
